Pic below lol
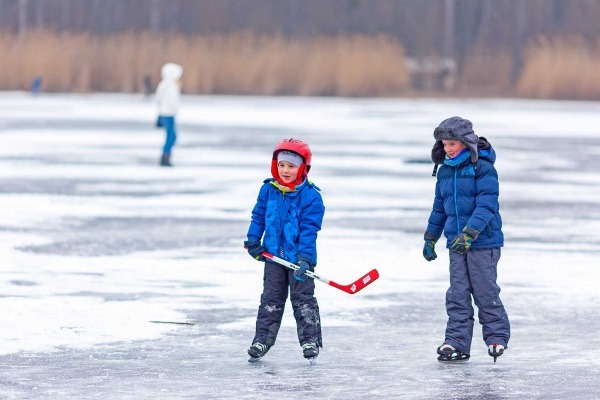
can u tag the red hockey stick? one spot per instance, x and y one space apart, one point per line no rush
351 288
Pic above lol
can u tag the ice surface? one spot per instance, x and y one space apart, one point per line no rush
97 241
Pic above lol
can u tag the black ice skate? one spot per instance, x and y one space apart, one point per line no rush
310 351
450 354
257 351
495 350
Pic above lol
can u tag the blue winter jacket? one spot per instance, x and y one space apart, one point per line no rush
290 221
467 194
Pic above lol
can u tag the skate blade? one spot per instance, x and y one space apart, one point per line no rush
452 361
254 359
312 360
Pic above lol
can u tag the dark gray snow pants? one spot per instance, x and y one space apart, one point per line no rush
474 274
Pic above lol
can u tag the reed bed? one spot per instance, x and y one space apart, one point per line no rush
561 68
238 63
246 63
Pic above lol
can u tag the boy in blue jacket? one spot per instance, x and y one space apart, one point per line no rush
466 210
287 216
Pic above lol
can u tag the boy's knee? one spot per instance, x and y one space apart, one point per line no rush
459 297
488 302
304 302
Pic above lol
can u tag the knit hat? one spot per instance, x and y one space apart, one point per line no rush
289 156
454 128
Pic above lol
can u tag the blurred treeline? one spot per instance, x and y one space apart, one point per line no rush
536 48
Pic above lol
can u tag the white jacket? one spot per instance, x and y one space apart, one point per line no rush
168 91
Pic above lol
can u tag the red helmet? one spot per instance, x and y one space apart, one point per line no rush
298 147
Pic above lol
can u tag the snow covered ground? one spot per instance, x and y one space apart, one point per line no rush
96 241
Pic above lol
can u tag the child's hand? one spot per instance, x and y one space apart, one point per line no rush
299 273
255 249
429 248
463 241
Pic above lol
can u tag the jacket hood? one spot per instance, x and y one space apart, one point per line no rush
485 151
171 72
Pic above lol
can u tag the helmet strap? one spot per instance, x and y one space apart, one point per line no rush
302 173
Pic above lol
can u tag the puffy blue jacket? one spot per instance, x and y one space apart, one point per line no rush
290 221
467 194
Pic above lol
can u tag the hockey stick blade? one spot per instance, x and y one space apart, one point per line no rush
359 284
351 288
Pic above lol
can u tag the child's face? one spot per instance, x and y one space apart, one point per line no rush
453 147
288 172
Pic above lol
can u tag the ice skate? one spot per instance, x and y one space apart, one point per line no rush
310 351
495 350
257 351
450 354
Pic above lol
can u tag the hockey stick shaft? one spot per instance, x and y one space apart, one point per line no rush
351 288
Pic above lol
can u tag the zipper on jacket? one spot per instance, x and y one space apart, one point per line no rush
284 210
456 203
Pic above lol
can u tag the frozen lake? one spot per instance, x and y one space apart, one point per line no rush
97 241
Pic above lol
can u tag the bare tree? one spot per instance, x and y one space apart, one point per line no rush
448 29
22 17
520 13
154 16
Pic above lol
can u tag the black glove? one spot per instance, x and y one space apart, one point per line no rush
429 248
255 249
299 274
464 239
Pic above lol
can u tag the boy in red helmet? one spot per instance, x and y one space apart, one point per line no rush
287 216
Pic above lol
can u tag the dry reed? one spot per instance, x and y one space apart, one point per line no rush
563 68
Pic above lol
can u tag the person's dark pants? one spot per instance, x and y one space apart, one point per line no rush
474 274
276 281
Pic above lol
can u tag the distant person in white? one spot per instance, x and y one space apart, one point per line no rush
168 93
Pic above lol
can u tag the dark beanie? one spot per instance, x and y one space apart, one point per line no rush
454 128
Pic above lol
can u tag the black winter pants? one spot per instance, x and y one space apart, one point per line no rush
276 282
